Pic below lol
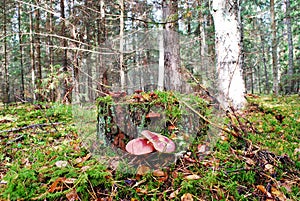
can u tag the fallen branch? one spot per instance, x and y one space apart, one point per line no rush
30 126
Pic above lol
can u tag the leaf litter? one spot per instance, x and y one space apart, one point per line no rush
253 161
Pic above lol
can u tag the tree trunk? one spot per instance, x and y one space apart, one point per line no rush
50 67
22 87
32 57
228 52
66 89
171 46
6 96
291 82
274 48
161 61
262 41
101 37
121 35
38 54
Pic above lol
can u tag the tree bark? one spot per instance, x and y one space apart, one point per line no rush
274 48
32 57
262 41
121 35
228 53
171 46
67 98
22 87
38 54
291 82
6 97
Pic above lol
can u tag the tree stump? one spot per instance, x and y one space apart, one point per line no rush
122 118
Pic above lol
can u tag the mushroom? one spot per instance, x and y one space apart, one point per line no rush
151 142
139 146
160 142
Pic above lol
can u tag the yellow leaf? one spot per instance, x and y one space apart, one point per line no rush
278 194
187 197
192 177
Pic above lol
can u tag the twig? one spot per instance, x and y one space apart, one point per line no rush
30 126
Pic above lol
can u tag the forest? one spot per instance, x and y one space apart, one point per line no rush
149 100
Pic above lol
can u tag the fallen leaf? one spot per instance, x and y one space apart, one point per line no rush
70 180
153 115
296 151
263 190
249 161
187 197
72 195
278 194
192 177
142 170
85 168
158 173
201 148
174 194
53 186
269 168
61 164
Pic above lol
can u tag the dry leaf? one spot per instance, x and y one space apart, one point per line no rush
142 170
187 197
192 177
85 168
201 148
61 164
53 186
72 195
278 194
269 168
158 173
263 190
174 194
249 161
70 180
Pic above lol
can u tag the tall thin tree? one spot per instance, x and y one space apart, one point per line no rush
291 82
6 97
274 48
20 35
231 87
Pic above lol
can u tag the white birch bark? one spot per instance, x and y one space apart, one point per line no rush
231 87
161 61
122 71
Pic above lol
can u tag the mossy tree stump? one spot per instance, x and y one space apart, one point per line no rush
122 117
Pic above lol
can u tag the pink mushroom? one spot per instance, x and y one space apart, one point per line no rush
151 142
139 146
160 142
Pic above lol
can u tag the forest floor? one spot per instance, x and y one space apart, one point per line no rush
43 158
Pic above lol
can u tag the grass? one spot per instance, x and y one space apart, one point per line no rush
50 161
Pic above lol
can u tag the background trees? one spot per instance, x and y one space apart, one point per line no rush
44 45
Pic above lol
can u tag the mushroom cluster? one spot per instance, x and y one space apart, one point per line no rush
149 143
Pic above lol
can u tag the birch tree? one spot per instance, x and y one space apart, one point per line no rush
228 53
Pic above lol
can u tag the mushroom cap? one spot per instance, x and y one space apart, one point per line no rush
160 142
139 146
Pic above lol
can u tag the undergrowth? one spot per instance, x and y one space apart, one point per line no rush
42 157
